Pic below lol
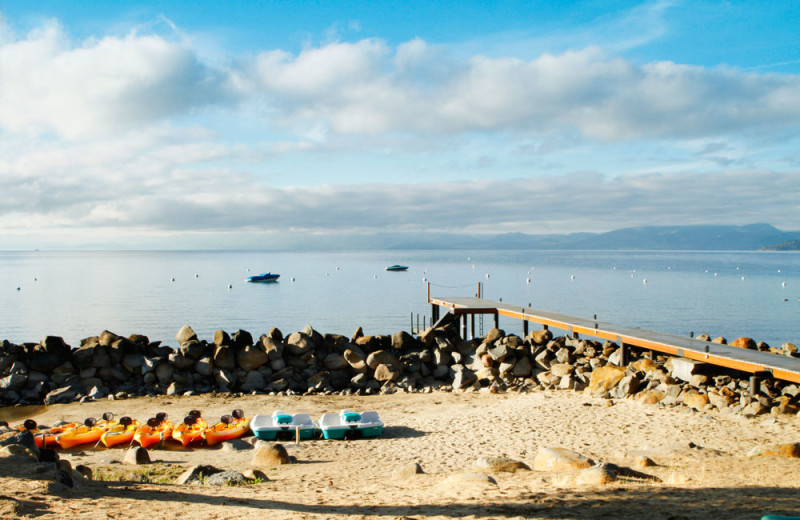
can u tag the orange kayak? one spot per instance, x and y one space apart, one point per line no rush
120 433
45 438
225 431
190 430
91 431
49 438
153 432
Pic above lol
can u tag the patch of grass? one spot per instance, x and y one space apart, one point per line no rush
156 473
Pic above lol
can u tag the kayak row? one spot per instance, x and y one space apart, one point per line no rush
194 429
112 432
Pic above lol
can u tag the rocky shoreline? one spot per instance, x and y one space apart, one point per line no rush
110 366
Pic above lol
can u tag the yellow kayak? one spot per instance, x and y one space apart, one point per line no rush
229 427
191 429
120 433
91 431
156 430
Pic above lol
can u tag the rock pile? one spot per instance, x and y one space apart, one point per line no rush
307 362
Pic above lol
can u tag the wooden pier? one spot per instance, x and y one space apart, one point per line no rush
760 364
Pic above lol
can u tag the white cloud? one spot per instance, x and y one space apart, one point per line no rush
221 200
109 84
101 85
365 88
124 135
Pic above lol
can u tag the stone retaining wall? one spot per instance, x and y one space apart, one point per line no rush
305 362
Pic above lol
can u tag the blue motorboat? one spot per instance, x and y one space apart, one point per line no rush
264 278
397 267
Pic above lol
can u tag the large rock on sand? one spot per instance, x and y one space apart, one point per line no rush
559 459
787 449
501 464
605 378
270 456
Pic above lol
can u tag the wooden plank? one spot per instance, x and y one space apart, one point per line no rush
781 367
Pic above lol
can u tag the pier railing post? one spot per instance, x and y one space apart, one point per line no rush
524 326
472 326
755 382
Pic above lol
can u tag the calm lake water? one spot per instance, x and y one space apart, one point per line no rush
80 294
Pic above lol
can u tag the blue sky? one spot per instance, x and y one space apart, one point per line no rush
237 124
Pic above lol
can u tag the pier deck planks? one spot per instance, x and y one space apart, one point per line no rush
779 367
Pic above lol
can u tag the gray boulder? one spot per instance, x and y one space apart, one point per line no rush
65 394
185 334
197 474
226 478
298 343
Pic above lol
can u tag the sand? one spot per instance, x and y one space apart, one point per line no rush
445 433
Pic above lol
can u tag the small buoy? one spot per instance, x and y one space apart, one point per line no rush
669 268
469 258
35 279
779 270
783 284
337 267
327 274
715 274
786 299
742 277
230 286
706 270
248 269
614 268
423 279
473 266
196 275
172 279
644 280
572 277
528 280
18 288
633 275
737 267
375 276
292 278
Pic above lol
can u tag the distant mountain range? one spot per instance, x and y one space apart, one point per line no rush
687 238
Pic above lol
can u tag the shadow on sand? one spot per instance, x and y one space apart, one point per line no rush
652 503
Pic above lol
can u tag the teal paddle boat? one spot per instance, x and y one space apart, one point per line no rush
282 425
348 423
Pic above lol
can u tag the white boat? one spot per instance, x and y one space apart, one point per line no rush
283 425
350 423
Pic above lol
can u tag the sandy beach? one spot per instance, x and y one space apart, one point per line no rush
702 469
